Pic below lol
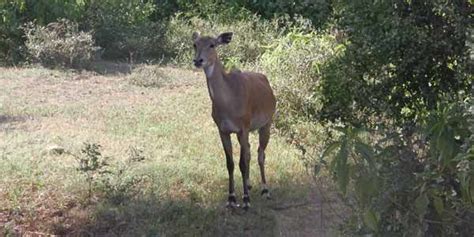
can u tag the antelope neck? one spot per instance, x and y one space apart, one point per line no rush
218 90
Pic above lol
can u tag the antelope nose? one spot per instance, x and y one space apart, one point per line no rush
198 62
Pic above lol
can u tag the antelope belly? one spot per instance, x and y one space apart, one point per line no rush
258 122
227 125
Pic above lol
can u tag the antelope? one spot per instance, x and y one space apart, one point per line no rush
241 102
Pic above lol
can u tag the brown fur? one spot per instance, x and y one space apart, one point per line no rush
241 102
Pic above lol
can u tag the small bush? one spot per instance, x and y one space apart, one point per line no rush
92 164
59 44
117 182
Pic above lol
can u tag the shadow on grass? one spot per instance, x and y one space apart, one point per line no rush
9 119
153 216
111 68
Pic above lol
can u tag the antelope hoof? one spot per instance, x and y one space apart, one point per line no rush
246 204
266 194
232 202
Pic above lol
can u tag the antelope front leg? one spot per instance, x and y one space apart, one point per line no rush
244 164
227 144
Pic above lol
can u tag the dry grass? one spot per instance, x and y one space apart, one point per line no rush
185 176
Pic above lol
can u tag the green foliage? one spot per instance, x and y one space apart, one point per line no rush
250 38
92 164
15 13
59 44
123 29
137 29
116 183
121 184
381 73
318 11
407 185
292 63
405 76
9 33
352 157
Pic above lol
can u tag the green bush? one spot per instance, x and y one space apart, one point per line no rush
250 38
402 93
381 73
10 35
59 44
15 13
115 182
292 64
124 29
424 184
318 11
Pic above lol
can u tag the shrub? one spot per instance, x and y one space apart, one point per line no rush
59 44
249 41
411 172
15 13
116 183
318 11
423 184
124 29
292 65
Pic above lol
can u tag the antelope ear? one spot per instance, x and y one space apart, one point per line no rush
195 35
224 38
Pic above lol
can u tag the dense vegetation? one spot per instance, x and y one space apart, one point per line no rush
402 91
388 82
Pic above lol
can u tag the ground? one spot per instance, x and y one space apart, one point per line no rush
179 189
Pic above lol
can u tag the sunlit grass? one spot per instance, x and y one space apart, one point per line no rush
185 167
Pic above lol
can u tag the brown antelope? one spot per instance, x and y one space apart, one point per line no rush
241 102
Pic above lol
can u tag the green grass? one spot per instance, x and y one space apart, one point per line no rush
184 176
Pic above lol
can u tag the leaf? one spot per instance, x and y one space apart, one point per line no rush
438 204
342 168
317 169
342 130
471 190
360 187
370 220
421 203
329 148
366 152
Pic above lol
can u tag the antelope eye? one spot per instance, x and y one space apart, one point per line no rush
212 45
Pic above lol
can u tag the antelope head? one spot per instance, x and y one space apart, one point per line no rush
205 48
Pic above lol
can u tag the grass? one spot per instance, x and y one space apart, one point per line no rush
183 184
